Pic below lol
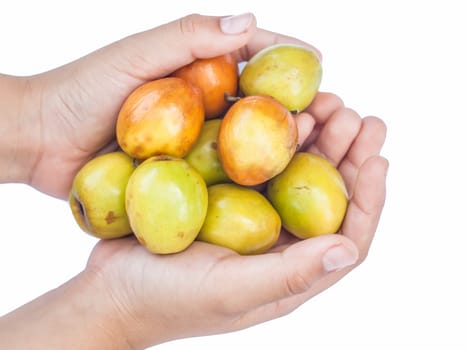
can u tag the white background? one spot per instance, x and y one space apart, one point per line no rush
404 61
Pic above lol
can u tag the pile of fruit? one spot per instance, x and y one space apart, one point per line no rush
209 153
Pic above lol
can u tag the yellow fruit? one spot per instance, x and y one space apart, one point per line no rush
309 195
166 202
97 196
289 73
241 219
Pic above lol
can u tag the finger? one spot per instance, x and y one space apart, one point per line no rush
368 142
263 279
305 124
283 242
112 146
264 38
276 309
366 203
337 135
159 51
324 105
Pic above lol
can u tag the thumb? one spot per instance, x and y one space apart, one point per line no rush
161 50
267 278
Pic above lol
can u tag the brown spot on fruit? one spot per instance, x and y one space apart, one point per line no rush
110 218
162 158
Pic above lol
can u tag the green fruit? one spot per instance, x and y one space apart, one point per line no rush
240 219
289 73
204 157
166 202
309 195
97 195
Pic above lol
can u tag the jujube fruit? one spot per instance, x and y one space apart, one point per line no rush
97 195
163 116
309 195
240 219
289 73
216 77
257 138
166 202
203 156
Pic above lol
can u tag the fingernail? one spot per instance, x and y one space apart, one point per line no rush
236 24
339 257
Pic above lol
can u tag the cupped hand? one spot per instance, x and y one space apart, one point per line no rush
205 289
79 102
208 289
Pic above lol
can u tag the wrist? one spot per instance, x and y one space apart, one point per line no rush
133 323
77 315
19 109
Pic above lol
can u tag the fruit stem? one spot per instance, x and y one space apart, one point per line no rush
230 98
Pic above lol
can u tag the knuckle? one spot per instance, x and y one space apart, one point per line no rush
346 120
377 124
363 255
335 100
189 23
296 283
224 307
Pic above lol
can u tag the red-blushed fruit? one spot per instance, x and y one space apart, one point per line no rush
160 117
257 138
216 77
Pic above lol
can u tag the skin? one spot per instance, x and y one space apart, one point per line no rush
127 298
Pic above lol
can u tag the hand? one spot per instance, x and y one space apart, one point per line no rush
80 101
208 289
146 298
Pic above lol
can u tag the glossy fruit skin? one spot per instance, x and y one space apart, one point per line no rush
257 138
240 219
310 196
97 195
166 202
161 117
203 155
215 77
290 73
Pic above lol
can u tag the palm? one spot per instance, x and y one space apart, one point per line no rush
191 281
79 111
